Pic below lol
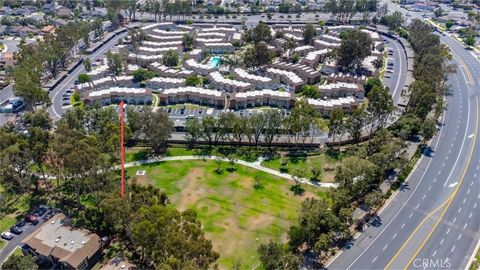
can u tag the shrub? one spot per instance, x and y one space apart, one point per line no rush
83 78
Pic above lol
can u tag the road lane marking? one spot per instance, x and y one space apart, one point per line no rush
447 202
460 236
471 136
465 226
459 210
374 259
411 195
455 218
453 184
403 225
441 242
451 250
448 230
410 216
470 216
468 191
385 247
435 252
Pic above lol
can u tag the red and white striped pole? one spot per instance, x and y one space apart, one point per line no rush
122 151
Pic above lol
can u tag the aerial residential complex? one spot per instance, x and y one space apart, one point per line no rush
230 87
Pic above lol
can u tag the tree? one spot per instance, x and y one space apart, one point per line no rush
379 108
157 128
188 41
355 46
470 41
370 83
449 24
309 32
355 124
141 75
261 32
193 80
19 262
274 256
393 21
438 12
273 124
429 128
258 55
336 124
193 131
83 78
87 64
170 58
356 175
373 199
316 173
115 63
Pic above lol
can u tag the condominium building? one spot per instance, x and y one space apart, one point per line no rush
99 72
143 60
219 82
348 78
125 81
303 50
103 83
116 94
259 82
162 32
197 95
322 44
330 38
341 89
201 41
308 74
287 77
158 38
292 36
312 59
223 47
373 35
258 98
162 25
166 44
158 51
198 68
66 247
229 32
326 106
164 82
165 71
212 35
195 54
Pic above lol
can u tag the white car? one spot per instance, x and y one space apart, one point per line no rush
7 235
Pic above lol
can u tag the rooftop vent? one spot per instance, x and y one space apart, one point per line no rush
72 242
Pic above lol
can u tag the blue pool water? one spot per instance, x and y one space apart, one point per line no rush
215 61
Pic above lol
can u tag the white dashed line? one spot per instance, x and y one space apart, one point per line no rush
459 209
435 252
395 235
455 218
475 206
470 216
403 225
468 191
385 247
452 249
410 216
465 226
464 200
448 230
418 205
441 242
374 259
460 236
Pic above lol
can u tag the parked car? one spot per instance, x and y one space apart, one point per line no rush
16 230
32 219
21 223
7 235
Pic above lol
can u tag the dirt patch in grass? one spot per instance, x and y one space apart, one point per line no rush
191 192
142 180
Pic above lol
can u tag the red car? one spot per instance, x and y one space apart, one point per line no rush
32 219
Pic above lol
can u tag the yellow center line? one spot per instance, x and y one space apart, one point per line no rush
467 71
447 202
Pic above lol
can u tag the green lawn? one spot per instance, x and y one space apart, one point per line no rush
235 216
305 164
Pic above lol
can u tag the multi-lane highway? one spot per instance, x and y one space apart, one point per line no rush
434 222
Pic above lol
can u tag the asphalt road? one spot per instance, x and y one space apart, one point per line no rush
56 110
17 239
434 222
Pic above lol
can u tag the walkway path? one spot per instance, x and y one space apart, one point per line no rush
255 165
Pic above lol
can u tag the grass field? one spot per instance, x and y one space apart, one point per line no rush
235 216
305 164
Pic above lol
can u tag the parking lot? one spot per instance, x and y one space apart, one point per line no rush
27 225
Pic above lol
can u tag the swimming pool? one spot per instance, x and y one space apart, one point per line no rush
215 61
